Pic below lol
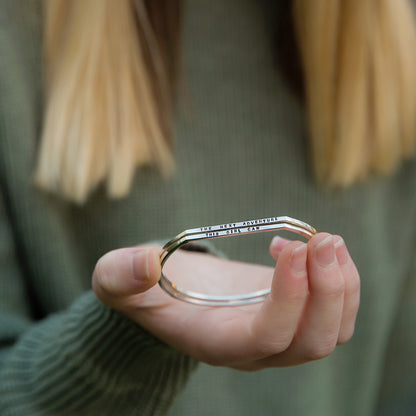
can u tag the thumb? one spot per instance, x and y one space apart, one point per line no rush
125 272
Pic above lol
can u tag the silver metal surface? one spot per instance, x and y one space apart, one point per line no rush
226 230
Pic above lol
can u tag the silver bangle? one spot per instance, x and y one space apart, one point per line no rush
226 230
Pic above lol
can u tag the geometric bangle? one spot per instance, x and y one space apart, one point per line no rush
226 230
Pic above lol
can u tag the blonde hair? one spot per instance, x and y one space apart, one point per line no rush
109 94
359 61
111 75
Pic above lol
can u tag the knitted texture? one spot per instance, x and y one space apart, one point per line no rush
241 154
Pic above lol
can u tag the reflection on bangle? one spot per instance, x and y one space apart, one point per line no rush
226 230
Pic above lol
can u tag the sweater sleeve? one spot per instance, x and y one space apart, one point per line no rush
88 360
85 360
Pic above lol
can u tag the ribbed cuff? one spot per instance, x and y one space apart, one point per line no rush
91 360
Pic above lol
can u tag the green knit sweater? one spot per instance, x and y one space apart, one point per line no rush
241 154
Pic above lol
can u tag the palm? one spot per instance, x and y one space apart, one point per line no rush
312 306
186 326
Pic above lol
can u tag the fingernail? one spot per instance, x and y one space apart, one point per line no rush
298 260
325 252
278 243
140 265
341 251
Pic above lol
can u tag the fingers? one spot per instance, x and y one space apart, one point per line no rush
275 324
330 309
319 328
125 272
351 291
277 245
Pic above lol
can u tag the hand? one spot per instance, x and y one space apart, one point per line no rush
312 306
